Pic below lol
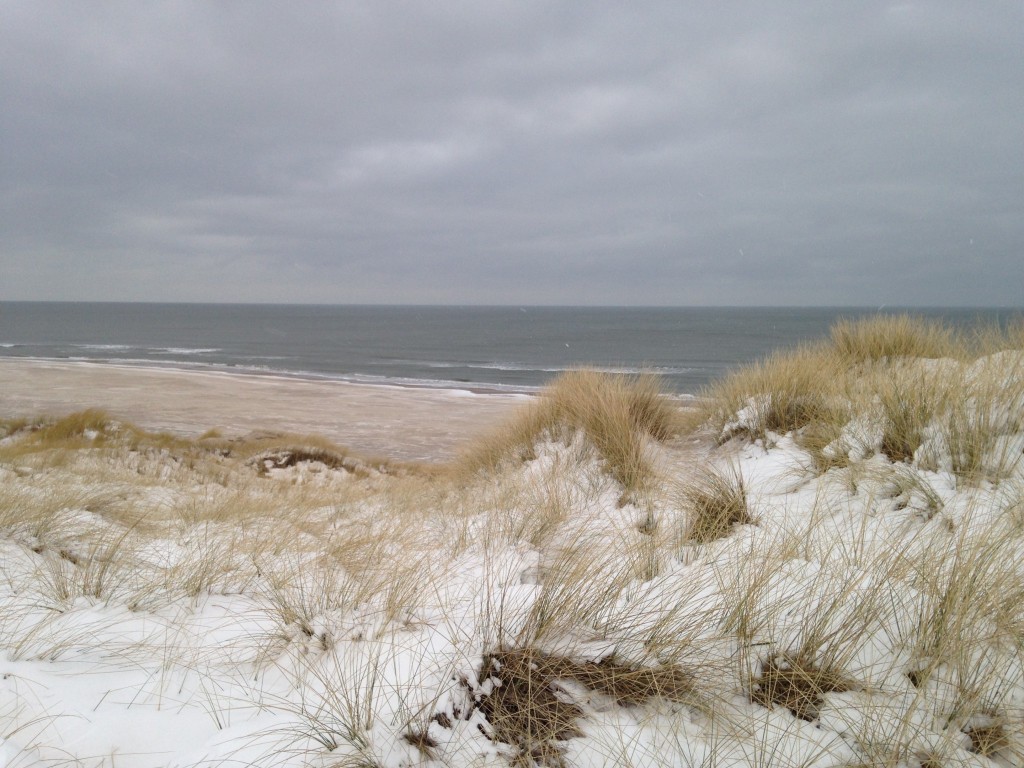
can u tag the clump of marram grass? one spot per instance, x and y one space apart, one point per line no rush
617 414
894 336
277 450
57 439
786 392
797 684
906 418
79 424
882 375
529 708
92 427
715 501
525 710
988 739
17 424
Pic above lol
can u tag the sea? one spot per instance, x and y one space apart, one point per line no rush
515 349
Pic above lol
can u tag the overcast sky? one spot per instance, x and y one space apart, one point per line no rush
666 153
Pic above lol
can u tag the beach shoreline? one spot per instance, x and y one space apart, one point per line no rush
395 421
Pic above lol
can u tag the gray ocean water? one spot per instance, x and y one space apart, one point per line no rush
503 348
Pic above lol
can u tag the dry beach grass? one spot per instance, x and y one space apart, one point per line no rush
822 568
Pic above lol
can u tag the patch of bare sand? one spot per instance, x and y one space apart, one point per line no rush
395 422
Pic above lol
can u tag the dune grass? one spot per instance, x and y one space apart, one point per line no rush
715 500
895 336
788 391
908 388
837 583
527 709
618 414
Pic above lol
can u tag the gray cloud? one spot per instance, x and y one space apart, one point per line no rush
513 152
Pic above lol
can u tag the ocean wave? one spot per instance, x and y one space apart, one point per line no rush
255 369
264 366
238 358
147 349
409 381
361 378
183 350
526 368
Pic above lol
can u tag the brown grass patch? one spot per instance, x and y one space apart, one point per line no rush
271 450
13 426
422 741
797 685
529 709
988 739
282 458
715 501
628 685
525 710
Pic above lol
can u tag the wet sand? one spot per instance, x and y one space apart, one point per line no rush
394 422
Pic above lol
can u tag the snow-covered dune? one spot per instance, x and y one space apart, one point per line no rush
844 588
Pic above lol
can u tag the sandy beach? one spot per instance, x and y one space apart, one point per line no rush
395 422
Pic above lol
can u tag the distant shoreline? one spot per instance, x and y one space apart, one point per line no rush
310 376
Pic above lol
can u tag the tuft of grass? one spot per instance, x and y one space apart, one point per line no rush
15 425
818 439
302 596
103 567
786 392
525 710
79 424
965 409
90 428
985 412
617 413
629 685
988 739
529 708
909 402
267 451
797 684
715 501
894 336
55 441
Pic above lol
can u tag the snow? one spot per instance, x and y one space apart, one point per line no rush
339 617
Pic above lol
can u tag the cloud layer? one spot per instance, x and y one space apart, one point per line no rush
513 152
